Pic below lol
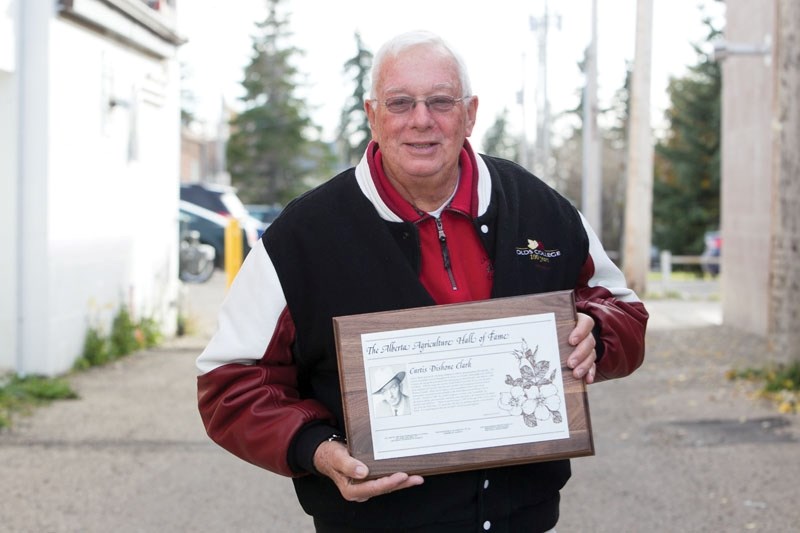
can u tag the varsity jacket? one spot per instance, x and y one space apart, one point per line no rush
268 388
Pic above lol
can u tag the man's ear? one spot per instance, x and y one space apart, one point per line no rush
472 114
370 111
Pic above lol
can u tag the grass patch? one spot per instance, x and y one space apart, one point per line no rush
779 384
19 395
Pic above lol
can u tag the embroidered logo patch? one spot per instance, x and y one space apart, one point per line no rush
536 251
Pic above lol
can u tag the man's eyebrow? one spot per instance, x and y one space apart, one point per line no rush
404 90
444 86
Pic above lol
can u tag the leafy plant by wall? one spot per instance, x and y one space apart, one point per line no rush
126 336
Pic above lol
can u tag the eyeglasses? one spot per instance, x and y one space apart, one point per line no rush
438 103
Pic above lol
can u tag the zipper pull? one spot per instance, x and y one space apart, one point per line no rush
445 252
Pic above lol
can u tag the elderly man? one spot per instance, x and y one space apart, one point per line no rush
393 401
421 220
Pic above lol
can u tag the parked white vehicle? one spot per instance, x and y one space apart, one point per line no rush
222 200
211 228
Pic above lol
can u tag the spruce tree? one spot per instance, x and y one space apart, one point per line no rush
268 151
498 142
354 132
686 181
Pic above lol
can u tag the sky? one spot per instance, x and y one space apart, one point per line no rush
494 38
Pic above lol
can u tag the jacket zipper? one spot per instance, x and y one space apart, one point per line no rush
445 252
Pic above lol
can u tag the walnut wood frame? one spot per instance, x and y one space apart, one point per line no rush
348 331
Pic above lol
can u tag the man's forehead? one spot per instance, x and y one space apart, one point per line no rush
422 64
405 88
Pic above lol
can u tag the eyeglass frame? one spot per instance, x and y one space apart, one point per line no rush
426 101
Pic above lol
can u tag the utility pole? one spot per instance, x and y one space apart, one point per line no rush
639 191
591 190
541 159
521 100
785 278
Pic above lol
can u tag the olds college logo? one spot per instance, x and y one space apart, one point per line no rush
536 251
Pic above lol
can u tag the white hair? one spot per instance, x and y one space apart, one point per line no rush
393 47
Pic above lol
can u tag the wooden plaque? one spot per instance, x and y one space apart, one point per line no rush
487 385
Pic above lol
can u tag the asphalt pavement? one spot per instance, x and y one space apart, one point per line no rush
678 447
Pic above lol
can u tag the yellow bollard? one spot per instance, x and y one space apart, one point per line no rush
233 250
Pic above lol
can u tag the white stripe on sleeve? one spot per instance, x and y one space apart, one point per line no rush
248 316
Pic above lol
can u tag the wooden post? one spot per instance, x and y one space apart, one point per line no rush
592 179
785 279
639 192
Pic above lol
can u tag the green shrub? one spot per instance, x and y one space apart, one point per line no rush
96 350
148 333
126 337
123 334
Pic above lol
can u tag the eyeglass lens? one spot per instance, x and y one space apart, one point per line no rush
438 103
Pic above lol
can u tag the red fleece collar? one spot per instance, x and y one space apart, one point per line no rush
464 201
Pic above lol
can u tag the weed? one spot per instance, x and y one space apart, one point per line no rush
19 395
96 350
126 337
779 384
148 333
123 334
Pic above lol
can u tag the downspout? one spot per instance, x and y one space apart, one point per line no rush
33 322
22 73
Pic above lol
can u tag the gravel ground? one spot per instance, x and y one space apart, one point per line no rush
677 446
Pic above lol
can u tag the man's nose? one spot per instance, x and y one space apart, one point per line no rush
420 113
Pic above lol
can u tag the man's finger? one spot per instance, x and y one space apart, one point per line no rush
363 491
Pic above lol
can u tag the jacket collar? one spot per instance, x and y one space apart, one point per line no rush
472 196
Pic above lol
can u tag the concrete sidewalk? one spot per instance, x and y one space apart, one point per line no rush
678 447
131 455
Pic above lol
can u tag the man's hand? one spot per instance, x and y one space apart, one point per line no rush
333 460
582 359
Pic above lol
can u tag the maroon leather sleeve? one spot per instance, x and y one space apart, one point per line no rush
622 326
254 411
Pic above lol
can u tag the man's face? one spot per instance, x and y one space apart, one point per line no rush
421 143
391 393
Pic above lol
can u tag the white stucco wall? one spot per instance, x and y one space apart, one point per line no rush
112 183
8 35
98 223
8 183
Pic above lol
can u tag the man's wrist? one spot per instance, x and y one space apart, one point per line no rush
305 445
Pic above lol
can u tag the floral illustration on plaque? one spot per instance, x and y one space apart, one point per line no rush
533 394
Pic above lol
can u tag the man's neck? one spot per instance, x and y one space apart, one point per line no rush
429 195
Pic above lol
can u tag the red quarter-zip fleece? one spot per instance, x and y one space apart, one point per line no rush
454 266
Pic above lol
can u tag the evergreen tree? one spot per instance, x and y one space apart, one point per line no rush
354 131
268 153
498 142
686 181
